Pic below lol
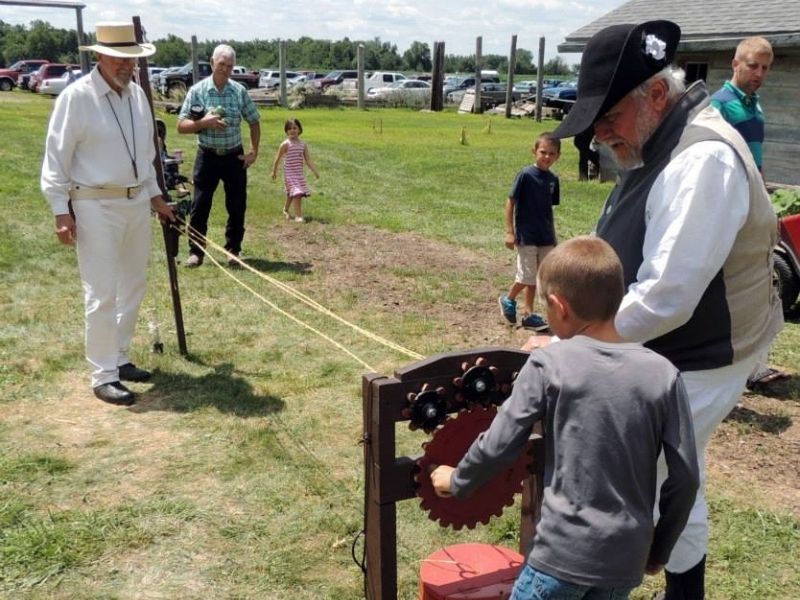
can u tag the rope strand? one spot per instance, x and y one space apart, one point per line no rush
198 237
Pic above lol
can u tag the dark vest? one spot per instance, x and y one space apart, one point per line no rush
738 312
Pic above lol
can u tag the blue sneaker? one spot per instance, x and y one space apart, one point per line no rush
508 308
535 322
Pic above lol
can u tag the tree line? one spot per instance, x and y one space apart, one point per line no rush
42 40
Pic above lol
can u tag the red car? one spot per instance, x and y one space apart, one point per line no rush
787 261
18 73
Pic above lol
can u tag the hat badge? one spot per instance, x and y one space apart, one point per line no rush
654 47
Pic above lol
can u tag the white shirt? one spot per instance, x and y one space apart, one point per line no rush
85 146
687 238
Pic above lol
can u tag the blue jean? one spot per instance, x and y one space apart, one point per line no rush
535 585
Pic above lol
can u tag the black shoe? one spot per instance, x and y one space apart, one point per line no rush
234 261
114 393
130 372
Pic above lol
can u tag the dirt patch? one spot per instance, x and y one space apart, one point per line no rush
372 263
755 453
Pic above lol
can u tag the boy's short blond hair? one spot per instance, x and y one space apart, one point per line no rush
754 45
587 273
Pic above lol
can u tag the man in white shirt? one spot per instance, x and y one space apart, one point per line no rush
694 229
99 179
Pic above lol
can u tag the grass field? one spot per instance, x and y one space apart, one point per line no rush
239 474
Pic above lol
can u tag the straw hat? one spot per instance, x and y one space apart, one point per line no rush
615 61
119 40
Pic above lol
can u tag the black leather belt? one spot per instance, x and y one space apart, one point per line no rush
222 152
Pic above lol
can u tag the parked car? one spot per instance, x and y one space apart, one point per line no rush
405 90
155 80
335 78
787 261
21 69
464 83
48 71
270 78
562 96
153 71
55 85
180 79
305 79
525 87
382 79
492 94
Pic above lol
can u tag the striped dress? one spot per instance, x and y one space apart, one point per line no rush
293 175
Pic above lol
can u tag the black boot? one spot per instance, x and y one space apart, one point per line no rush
687 586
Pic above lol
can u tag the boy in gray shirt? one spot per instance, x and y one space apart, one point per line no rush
609 408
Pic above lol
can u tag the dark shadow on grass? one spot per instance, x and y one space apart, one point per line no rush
774 424
268 266
228 393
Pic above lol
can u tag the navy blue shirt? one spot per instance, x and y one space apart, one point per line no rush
535 192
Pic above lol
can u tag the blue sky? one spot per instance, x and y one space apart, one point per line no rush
400 22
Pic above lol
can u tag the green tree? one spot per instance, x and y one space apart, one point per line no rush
171 51
417 57
556 66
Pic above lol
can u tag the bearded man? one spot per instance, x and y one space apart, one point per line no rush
694 228
99 179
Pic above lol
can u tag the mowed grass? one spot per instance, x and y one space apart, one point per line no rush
240 474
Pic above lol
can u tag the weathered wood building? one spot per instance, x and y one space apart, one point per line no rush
711 30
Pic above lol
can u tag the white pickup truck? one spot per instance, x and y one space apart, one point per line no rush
376 79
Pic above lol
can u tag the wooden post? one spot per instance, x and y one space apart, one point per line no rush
512 65
84 56
360 64
478 108
195 68
539 77
282 68
167 230
437 77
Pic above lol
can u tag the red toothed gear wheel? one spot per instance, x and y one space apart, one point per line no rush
447 447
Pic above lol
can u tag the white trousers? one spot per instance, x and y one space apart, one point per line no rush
113 245
712 395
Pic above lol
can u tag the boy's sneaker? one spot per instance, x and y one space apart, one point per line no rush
508 308
535 322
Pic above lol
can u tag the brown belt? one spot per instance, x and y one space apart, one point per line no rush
99 193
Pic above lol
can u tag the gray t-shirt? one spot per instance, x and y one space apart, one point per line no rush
608 411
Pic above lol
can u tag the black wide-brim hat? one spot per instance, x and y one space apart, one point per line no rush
615 61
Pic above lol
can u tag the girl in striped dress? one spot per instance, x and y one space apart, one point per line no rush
296 156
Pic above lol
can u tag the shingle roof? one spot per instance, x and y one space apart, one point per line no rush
701 19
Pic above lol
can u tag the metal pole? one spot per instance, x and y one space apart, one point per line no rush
169 232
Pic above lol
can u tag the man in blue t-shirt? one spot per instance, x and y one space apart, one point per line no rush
530 229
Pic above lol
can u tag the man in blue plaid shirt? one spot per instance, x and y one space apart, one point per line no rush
214 109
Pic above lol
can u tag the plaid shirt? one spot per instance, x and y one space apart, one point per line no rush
234 100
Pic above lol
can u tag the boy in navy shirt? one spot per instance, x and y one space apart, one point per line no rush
530 229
